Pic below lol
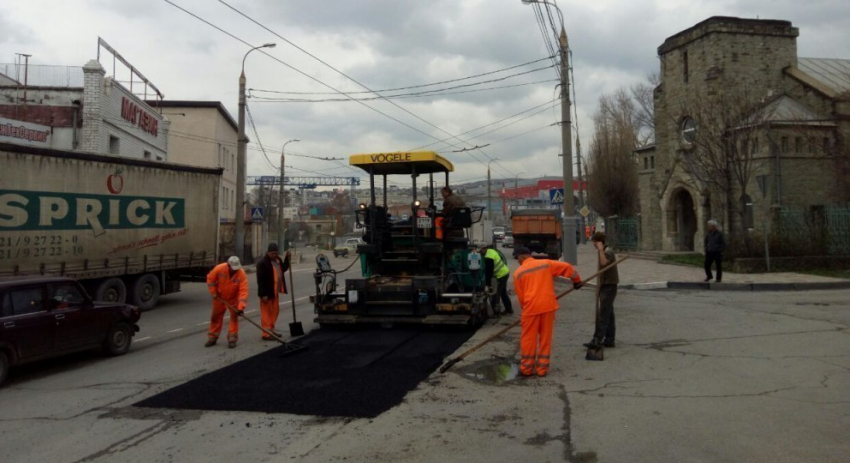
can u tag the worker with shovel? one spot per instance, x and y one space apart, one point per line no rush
535 290
228 285
270 284
606 293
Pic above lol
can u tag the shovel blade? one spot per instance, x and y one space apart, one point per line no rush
596 354
296 329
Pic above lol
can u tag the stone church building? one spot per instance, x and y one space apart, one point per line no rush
744 129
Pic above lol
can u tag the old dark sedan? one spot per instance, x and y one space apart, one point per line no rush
42 317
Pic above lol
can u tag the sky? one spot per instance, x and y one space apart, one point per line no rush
362 45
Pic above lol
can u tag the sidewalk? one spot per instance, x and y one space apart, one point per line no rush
648 274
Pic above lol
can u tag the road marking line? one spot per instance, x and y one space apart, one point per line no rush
251 311
299 299
174 331
202 324
142 339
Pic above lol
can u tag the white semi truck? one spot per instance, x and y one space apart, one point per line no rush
127 229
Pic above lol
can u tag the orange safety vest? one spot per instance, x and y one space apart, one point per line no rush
534 285
233 289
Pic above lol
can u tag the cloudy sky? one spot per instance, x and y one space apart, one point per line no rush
388 44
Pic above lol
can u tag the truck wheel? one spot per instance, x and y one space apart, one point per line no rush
145 292
118 339
111 290
4 366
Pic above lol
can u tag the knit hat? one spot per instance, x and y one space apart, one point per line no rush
272 247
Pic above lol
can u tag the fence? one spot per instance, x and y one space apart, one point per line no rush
41 75
623 232
827 224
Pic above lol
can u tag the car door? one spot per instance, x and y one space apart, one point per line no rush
29 327
76 319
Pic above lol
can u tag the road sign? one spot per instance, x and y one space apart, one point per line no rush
556 196
584 211
256 214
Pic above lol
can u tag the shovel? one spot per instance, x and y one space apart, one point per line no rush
290 348
598 352
295 328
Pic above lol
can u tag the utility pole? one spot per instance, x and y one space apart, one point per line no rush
570 253
281 221
242 162
581 202
489 192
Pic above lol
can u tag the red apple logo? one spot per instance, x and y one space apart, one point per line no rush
115 182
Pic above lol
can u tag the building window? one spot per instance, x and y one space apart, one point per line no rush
755 145
318 227
114 145
798 145
148 155
646 163
825 145
747 208
785 146
685 65
652 162
688 130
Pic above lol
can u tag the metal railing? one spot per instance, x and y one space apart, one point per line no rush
41 75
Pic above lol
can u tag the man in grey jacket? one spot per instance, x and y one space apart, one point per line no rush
715 244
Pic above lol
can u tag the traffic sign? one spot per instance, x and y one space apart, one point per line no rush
584 211
256 214
556 196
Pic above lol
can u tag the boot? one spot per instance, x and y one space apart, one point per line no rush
593 344
210 342
231 344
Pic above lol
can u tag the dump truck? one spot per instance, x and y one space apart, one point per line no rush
127 229
539 230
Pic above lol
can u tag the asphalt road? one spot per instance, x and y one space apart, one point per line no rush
696 376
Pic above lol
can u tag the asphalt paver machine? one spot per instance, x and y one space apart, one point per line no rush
418 267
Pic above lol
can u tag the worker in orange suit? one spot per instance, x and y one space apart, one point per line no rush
229 282
271 283
535 290
587 234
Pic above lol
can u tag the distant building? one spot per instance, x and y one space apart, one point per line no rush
793 119
87 111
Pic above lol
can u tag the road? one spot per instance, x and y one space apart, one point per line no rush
696 376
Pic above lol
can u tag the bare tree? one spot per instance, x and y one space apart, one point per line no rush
643 95
612 170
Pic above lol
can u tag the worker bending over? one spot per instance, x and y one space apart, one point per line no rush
535 290
495 265
228 282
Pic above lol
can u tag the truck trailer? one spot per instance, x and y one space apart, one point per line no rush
127 229
539 230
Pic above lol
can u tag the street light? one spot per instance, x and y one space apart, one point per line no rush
281 231
569 223
489 192
241 161
516 189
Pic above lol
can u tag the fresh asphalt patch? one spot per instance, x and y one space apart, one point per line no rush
354 373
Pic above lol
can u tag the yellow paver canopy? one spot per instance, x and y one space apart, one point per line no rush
402 162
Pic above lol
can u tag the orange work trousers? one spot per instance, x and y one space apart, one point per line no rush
269 311
536 343
217 320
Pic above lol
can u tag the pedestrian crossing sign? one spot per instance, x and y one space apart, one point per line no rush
556 196
256 214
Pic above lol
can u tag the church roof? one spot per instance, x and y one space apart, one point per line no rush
785 110
833 73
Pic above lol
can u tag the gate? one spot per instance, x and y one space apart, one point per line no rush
623 232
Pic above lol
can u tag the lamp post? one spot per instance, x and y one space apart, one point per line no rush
281 201
570 251
489 192
516 188
242 161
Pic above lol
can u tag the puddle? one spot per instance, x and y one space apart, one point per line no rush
497 373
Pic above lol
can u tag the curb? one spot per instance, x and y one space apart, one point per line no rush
690 285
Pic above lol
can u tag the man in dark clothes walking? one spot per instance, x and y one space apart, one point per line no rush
270 284
606 292
715 244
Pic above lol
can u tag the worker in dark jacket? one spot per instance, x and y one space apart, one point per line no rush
715 244
270 284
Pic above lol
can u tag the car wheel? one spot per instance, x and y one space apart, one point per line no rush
111 290
118 339
4 366
146 291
